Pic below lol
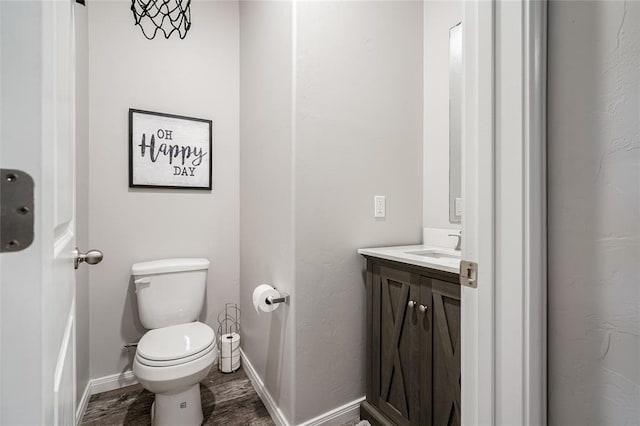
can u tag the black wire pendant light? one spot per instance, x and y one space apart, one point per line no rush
168 16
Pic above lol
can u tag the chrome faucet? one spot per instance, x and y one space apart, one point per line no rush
459 235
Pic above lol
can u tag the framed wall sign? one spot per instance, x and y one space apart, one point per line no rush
169 151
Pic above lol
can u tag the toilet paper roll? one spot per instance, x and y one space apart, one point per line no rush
229 359
260 295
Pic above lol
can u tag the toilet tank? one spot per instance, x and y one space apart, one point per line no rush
170 291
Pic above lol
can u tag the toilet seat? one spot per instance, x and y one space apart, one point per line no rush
174 345
177 361
173 378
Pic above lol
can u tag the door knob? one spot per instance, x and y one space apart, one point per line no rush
91 257
423 308
411 304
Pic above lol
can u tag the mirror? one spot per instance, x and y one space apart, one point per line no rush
455 124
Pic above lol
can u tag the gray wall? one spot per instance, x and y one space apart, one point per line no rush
358 134
198 77
266 188
319 138
439 17
594 213
82 196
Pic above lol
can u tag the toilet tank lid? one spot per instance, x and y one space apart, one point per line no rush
169 265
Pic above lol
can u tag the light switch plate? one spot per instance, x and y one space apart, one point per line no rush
380 206
458 206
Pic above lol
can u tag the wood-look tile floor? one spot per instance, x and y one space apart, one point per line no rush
227 399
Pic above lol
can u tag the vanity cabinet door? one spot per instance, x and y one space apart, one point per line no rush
441 354
425 327
395 347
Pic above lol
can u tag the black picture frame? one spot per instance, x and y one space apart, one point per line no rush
132 184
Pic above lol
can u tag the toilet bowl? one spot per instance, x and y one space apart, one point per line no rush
171 362
177 352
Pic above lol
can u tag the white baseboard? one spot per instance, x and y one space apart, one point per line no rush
103 384
337 416
274 411
115 381
84 401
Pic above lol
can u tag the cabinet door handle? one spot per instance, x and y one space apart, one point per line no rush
423 308
411 304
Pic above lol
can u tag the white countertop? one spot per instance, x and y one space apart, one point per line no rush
399 254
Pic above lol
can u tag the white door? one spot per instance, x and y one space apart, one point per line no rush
37 324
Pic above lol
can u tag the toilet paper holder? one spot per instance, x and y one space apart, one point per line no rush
284 298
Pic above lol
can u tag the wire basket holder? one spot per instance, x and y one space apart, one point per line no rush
228 321
167 16
228 338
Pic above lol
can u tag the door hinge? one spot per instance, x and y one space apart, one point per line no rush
16 217
469 274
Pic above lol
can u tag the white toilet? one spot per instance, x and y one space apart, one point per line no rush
177 352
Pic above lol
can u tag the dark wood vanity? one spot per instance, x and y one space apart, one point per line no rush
413 345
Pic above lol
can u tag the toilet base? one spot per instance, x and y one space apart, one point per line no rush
182 408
